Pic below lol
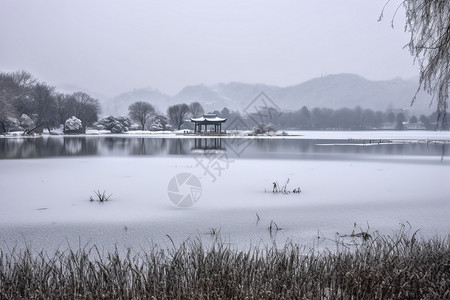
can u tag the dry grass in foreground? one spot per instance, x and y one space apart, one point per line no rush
382 267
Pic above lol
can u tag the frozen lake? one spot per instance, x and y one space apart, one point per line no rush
379 178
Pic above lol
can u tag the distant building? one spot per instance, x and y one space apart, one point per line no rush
208 119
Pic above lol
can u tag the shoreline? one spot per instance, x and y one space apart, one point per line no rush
409 135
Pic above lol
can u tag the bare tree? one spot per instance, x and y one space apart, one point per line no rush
41 107
16 85
177 114
65 105
7 113
86 108
196 109
428 22
141 112
15 88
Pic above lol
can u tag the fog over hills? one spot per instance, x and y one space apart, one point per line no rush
332 91
119 104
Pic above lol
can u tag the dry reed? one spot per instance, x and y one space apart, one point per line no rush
382 267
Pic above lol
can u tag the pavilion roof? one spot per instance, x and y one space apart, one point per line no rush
208 118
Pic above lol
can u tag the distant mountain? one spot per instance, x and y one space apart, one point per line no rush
348 90
207 96
332 91
119 104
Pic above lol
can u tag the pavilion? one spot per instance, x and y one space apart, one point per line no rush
208 119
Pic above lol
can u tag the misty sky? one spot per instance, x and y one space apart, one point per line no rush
111 46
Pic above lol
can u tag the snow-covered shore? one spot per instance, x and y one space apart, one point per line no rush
412 135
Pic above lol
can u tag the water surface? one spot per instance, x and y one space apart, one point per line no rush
265 148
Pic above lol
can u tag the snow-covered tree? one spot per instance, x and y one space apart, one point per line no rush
26 122
263 128
159 123
114 124
73 124
9 124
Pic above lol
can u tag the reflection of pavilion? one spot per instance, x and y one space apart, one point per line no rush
208 144
208 119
